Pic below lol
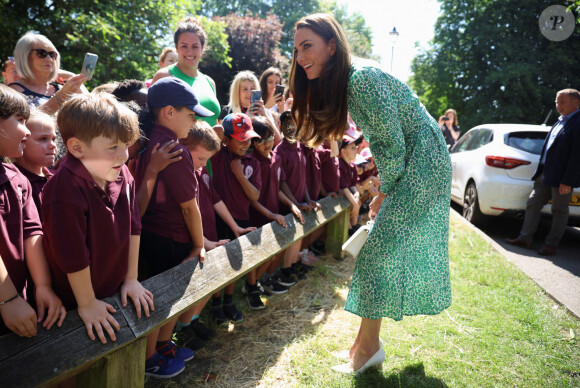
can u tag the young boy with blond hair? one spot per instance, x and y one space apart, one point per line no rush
40 152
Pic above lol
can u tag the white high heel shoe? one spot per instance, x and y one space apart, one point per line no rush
376 360
345 354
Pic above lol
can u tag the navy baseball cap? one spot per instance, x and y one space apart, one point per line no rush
175 92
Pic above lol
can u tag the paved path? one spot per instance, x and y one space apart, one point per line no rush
559 275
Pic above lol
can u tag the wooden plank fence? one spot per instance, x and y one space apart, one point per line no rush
55 355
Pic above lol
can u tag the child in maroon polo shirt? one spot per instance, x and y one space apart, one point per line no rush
203 143
348 176
237 179
172 229
328 154
39 153
21 233
266 208
90 217
294 165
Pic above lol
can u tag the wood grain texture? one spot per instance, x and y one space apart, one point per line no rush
62 352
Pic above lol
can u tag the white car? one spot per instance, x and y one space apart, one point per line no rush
492 169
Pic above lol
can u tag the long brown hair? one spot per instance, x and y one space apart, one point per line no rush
320 105
264 80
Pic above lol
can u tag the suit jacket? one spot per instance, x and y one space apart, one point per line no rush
563 157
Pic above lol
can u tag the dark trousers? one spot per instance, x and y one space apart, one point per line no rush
539 197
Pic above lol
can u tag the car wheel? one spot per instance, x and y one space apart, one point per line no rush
471 210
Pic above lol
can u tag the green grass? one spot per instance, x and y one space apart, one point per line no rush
502 330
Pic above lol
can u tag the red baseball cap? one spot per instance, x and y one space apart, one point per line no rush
239 126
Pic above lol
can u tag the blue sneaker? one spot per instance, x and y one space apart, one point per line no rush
172 351
163 368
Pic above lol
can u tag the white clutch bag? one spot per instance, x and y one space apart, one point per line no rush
355 243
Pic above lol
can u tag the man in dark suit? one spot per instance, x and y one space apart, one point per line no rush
557 174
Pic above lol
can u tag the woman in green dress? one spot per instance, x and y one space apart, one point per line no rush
403 269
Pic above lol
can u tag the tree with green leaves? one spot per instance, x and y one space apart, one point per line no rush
289 12
490 62
126 35
255 45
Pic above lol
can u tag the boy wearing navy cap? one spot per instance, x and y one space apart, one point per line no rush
237 179
172 229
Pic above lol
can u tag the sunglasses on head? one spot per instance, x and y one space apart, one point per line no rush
265 139
42 53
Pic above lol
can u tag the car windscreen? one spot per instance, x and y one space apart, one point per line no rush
531 142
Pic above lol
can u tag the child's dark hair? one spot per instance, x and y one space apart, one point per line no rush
124 90
147 118
262 127
202 134
12 103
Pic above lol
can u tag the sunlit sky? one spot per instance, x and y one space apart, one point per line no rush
414 19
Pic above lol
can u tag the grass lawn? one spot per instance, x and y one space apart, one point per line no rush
502 330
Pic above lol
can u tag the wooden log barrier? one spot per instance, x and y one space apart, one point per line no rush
58 354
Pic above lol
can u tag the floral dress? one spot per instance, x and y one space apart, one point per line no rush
403 269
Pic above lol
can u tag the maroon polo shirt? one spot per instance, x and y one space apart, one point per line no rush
206 200
348 175
294 167
37 182
368 173
86 226
18 221
329 170
175 184
227 185
313 172
271 171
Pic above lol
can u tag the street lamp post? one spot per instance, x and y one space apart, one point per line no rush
394 36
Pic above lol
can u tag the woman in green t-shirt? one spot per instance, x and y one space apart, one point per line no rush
190 42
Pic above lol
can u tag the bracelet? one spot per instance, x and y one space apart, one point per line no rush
58 99
10 299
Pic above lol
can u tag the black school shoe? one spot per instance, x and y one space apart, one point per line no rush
186 337
233 313
218 315
201 330
318 247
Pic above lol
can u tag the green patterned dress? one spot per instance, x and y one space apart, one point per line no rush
403 269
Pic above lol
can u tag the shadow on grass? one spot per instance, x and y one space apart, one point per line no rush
412 376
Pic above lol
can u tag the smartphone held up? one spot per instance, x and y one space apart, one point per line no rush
89 65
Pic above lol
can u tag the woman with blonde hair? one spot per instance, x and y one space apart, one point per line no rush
240 100
403 269
38 64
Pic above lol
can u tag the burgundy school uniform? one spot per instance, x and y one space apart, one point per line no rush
368 173
18 221
86 226
272 174
348 175
37 182
227 185
175 184
329 170
294 167
313 172
207 198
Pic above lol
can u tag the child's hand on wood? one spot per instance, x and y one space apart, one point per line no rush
140 295
47 299
19 317
97 316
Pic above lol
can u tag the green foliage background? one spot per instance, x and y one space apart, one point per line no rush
490 62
